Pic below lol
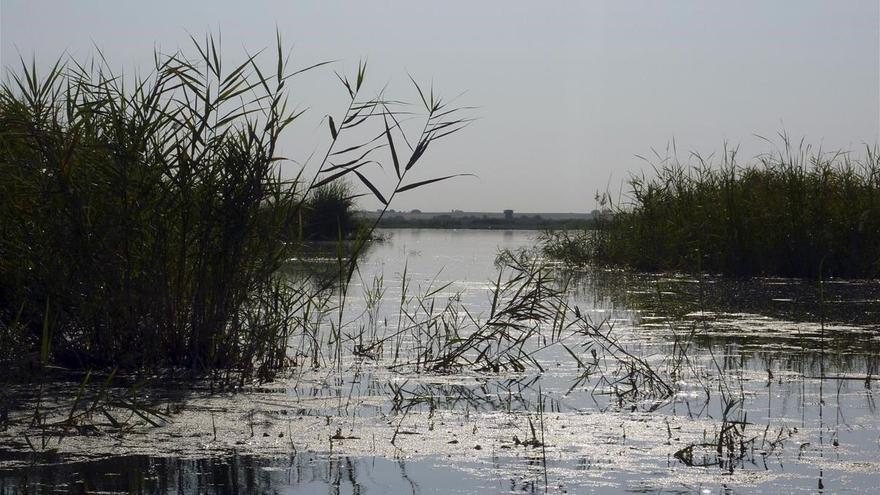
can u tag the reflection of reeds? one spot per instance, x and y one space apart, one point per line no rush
730 446
792 212
93 409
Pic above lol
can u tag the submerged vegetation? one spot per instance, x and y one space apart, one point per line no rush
144 220
796 213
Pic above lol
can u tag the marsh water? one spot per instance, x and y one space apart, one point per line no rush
773 391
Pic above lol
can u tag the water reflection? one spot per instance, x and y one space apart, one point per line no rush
237 474
233 474
795 322
854 303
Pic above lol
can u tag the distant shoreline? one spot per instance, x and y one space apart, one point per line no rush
458 219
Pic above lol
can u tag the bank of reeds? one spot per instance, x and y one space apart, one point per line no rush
328 213
143 220
795 212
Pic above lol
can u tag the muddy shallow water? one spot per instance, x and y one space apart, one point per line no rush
775 393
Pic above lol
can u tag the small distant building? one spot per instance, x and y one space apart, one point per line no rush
508 215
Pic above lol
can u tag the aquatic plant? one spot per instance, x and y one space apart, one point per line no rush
794 212
144 219
328 212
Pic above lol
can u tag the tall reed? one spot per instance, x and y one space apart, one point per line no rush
795 212
143 221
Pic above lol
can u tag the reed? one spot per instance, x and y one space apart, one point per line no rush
145 220
329 212
792 212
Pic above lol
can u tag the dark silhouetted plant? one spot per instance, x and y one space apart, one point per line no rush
793 212
143 220
329 213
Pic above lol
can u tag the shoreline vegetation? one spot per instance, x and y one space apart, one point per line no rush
146 220
796 212
457 219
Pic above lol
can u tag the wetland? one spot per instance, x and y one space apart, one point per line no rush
645 383
185 309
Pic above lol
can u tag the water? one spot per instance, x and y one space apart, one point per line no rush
774 376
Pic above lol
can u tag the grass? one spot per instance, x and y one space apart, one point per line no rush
145 219
795 212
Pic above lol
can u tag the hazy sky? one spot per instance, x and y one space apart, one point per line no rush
568 92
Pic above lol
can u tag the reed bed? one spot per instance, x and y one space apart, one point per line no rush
144 221
794 212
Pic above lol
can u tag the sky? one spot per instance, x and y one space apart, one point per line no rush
568 95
